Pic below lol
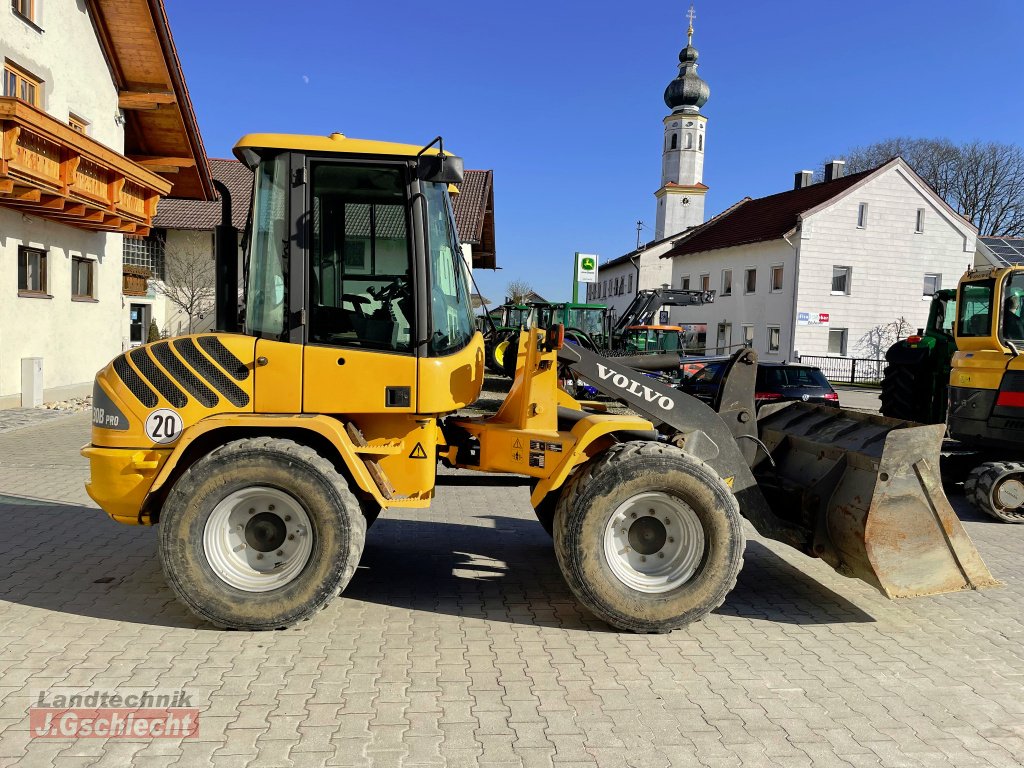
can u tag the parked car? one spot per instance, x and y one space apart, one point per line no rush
776 382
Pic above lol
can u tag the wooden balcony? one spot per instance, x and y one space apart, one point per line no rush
49 170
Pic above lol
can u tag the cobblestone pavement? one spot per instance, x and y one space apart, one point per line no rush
16 418
458 644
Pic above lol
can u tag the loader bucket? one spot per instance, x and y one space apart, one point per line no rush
867 492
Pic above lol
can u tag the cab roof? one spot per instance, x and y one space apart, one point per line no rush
336 143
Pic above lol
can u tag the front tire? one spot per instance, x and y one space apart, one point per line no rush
648 538
260 534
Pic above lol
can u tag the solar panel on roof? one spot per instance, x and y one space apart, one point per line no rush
1006 250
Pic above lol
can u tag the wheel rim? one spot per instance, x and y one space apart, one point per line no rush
258 539
1008 496
499 353
654 542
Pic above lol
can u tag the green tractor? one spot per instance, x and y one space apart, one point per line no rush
585 325
916 380
507 320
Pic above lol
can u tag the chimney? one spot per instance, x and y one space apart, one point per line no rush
834 170
803 179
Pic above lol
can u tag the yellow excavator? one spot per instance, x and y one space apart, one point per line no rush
265 449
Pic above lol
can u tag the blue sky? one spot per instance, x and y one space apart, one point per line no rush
563 100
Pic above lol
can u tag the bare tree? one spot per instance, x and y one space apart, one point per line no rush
877 340
518 291
189 278
982 181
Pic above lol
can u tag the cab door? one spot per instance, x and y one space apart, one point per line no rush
359 356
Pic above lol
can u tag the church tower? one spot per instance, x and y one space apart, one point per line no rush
681 197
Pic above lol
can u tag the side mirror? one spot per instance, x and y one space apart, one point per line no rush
446 169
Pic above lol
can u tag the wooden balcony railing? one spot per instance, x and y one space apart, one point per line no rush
51 171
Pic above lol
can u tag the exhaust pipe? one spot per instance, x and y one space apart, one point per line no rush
225 248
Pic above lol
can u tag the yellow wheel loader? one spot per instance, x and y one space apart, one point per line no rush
264 450
986 388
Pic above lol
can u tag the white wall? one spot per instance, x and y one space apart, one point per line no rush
654 272
762 308
68 58
888 259
74 338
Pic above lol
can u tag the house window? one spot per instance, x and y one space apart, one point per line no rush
19 84
837 341
630 289
727 282
24 8
82 278
31 271
750 282
147 252
685 282
841 281
77 123
675 141
748 336
932 284
862 215
705 282
777 275
919 226
774 338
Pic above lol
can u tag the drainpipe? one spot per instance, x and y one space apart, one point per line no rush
796 286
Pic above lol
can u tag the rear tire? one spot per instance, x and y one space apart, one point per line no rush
632 568
904 395
260 534
510 355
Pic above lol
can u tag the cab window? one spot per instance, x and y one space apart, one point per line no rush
451 310
1011 322
975 309
360 258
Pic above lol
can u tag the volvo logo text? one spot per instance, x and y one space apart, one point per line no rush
635 388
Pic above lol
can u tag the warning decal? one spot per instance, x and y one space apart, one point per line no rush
418 452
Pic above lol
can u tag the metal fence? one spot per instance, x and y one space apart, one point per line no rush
847 370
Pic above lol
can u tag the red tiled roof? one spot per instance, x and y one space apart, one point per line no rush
179 213
471 204
474 216
763 219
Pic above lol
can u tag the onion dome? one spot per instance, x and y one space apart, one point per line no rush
687 93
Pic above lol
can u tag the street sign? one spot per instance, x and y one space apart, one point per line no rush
586 268
812 318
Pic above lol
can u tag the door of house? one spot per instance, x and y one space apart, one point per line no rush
138 315
724 338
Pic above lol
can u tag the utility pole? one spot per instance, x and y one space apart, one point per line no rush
575 278
639 226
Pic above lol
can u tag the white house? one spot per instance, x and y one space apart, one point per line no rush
95 126
811 271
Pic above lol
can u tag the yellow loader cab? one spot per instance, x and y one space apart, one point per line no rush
265 449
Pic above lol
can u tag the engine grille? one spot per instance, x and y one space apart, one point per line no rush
184 376
163 385
212 346
134 382
214 375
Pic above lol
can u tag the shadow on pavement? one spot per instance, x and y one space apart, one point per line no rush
74 560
